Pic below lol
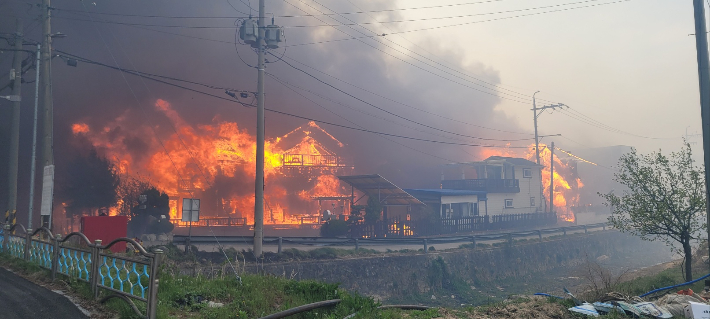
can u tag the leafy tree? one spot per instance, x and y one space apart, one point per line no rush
90 183
665 199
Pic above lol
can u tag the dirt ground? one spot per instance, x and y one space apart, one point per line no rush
533 307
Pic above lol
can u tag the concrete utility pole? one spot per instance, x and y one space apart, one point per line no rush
15 133
701 45
33 162
552 177
259 185
48 152
537 114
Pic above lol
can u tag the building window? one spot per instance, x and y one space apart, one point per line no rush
508 203
532 201
527 173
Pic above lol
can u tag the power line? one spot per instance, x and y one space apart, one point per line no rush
379 22
291 86
352 122
133 72
387 111
279 16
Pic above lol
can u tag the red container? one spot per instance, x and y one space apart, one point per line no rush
106 228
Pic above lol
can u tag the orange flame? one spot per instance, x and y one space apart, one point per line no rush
216 161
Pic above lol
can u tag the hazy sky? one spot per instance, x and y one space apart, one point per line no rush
629 65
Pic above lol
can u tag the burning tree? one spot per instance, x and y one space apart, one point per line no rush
665 199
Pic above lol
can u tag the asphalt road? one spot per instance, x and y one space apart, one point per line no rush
21 299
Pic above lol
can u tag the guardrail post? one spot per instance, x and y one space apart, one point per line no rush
539 235
95 260
28 242
510 239
152 304
564 231
604 227
585 229
6 238
281 239
357 244
426 248
55 255
473 242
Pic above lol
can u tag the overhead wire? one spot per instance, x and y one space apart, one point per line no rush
390 112
354 123
132 72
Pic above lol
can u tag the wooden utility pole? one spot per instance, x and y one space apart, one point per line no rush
552 177
15 133
701 46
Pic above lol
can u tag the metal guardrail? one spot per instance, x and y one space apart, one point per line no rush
356 242
126 277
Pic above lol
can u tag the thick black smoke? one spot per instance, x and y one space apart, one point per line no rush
96 95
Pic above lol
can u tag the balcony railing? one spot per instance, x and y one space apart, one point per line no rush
486 185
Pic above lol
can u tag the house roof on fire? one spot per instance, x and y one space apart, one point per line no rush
377 186
309 139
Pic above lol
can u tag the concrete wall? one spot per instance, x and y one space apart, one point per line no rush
384 276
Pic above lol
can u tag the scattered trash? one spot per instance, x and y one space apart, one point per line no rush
576 301
586 308
653 310
213 304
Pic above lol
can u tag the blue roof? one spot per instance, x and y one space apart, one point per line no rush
447 192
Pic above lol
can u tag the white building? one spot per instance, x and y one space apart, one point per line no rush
497 185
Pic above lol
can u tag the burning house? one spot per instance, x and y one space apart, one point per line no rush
215 162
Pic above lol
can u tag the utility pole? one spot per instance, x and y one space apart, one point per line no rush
262 37
552 176
259 185
537 114
16 74
47 154
33 162
701 46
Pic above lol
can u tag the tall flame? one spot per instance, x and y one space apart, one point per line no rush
214 162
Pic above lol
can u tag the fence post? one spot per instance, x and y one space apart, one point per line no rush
28 243
539 235
357 244
6 238
152 305
510 239
426 248
95 260
604 227
281 239
585 229
55 255
473 242
564 231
